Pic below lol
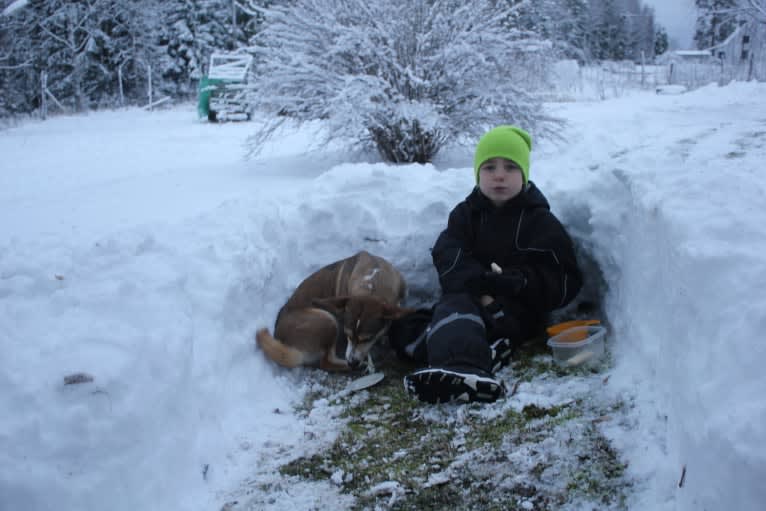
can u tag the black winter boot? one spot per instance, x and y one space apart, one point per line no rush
453 384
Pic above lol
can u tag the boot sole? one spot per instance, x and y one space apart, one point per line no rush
444 386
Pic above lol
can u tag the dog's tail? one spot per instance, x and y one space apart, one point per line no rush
284 355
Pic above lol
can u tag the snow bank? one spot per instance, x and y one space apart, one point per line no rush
676 222
152 273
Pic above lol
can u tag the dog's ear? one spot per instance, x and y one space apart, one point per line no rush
334 305
395 312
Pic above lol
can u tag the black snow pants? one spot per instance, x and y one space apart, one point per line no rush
457 335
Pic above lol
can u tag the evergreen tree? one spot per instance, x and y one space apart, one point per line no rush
610 30
192 31
661 41
101 52
621 29
642 34
19 84
561 22
67 37
573 24
132 50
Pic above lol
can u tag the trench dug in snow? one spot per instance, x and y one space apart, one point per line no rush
644 278
340 217
388 212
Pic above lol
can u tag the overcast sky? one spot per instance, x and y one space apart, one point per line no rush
678 17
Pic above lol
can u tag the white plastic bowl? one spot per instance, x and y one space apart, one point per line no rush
578 345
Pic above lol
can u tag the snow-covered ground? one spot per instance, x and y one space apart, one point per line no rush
142 249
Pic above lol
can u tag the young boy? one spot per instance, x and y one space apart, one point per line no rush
504 262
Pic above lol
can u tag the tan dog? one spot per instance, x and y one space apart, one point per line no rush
336 315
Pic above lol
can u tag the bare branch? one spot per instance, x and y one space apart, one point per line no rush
17 66
756 9
54 36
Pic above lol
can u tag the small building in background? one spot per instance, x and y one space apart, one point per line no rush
686 56
690 68
742 57
743 53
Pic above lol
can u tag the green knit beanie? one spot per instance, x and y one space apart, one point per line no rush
510 142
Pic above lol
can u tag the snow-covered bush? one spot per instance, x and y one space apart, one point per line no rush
405 76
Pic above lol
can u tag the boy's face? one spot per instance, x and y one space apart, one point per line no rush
500 180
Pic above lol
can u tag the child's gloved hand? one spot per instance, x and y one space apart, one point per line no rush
508 283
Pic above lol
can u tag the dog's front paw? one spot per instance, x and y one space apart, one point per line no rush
369 366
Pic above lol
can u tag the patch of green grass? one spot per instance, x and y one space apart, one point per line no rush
532 360
492 433
396 446
554 415
390 437
600 472
390 446
532 424
434 498
313 468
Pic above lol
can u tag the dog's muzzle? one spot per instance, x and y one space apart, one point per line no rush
356 354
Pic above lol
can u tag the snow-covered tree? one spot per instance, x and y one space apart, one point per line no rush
101 52
755 9
68 37
610 36
16 63
661 42
191 31
643 33
405 76
563 22
716 20
620 30
573 28
79 46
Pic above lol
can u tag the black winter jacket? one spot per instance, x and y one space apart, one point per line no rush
522 234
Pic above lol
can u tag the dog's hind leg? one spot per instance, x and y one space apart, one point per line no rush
302 337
